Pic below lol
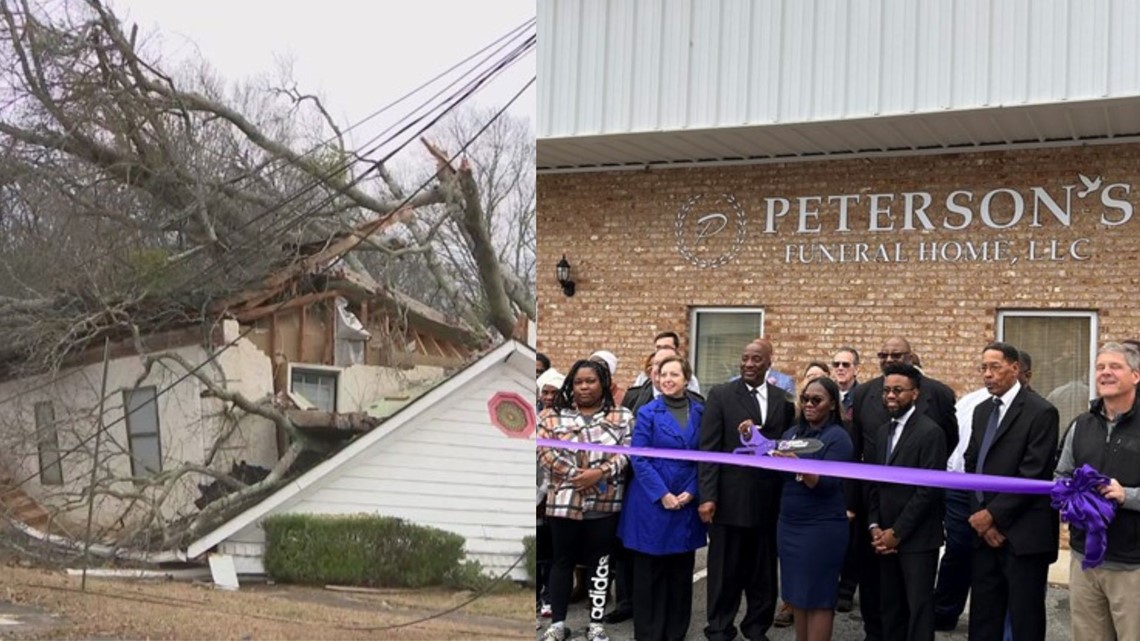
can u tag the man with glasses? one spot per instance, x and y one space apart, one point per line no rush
845 373
906 520
869 412
1015 434
667 340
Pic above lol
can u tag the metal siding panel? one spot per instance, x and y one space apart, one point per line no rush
863 61
934 56
591 94
1124 51
734 69
648 66
797 53
830 78
764 61
704 51
1010 64
1047 50
563 108
676 30
620 47
547 79
971 29
1088 49
898 57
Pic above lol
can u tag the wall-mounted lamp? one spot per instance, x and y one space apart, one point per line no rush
563 269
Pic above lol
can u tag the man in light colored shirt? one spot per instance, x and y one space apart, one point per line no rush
667 340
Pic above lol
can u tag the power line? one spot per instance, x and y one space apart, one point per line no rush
319 180
212 357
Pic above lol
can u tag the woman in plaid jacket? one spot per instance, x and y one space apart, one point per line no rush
585 492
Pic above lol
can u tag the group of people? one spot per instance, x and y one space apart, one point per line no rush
813 539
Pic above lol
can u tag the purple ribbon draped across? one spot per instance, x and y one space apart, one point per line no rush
1081 504
1077 499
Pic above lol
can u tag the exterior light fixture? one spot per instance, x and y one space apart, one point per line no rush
563 270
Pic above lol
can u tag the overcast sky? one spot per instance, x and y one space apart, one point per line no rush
358 55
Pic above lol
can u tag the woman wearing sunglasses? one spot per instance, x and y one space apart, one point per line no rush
813 531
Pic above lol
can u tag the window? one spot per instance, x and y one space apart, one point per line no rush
1063 347
47 442
719 335
141 406
316 386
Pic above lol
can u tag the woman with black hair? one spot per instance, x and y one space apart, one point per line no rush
585 492
812 532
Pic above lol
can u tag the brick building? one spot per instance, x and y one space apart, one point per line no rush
945 177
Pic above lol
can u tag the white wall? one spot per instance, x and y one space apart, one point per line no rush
188 425
448 468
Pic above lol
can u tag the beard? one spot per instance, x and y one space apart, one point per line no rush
900 410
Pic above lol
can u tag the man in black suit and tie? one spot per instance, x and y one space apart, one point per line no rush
845 373
937 403
741 504
906 520
1015 434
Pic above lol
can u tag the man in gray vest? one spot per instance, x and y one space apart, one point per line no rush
1102 600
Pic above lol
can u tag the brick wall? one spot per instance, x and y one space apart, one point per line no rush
619 231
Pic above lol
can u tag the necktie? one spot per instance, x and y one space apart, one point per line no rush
988 440
754 392
891 438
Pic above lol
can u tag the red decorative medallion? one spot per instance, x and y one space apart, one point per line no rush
512 414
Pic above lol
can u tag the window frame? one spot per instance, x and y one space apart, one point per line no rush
694 328
131 436
44 453
320 370
1094 331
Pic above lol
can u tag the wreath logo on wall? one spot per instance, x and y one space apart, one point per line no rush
702 227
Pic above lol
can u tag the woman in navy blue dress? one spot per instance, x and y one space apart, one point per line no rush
812 533
659 520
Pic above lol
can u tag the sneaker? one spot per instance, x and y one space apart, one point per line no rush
556 633
597 632
546 611
783 617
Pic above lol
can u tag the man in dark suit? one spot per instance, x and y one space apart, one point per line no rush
869 413
906 520
741 504
1015 434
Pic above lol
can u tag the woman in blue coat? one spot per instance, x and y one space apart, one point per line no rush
659 521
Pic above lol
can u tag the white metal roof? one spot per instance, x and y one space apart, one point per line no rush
636 82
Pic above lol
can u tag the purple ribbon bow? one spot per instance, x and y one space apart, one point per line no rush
1082 505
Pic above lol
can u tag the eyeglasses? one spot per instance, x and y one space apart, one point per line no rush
841 364
990 367
812 400
887 391
897 356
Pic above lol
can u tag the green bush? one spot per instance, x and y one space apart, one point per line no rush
531 558
365 550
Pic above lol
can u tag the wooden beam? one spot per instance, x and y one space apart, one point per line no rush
337 248
330 336
301 334
306 299
413 360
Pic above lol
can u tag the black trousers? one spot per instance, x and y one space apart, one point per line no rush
662 596
869 584
852 564
587 542
741 561
1004 581
907 581
622 561
544 556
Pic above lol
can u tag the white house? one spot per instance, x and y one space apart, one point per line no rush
460 458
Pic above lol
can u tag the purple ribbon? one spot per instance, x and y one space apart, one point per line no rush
1078 498
858 471
1082 505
